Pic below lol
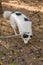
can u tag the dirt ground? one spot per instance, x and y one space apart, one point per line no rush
12 50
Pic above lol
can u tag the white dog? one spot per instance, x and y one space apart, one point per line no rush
20 20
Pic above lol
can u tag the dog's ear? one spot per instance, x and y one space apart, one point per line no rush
25 36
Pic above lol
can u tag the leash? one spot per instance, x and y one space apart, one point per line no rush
9 36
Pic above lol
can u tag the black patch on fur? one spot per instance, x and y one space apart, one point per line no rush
31 36
25 19
18 14
25 36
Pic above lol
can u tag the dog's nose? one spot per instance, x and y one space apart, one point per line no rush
25 36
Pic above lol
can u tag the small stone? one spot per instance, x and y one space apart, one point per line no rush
15 45
23 59
12 51
12 59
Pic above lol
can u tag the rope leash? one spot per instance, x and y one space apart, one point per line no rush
10 36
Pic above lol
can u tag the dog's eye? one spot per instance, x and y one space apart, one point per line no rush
18 14
25 19
25 36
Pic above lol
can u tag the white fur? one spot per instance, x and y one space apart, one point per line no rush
23 26
7 14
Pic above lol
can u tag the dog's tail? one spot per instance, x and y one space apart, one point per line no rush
6 14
